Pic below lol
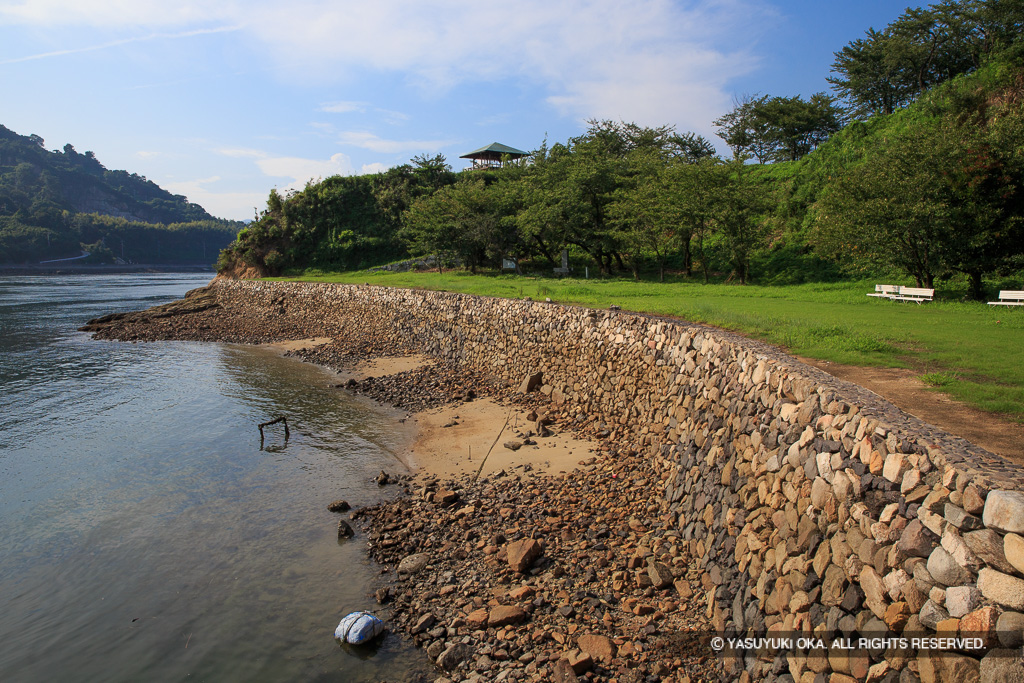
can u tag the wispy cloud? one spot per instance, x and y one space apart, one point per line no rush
649 61
652 61
117 13
372 142
123 41
342 107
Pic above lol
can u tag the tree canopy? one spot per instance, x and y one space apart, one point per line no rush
779 128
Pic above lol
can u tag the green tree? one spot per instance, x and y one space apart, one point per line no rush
779 128
741 218
938 197
890 68
746 131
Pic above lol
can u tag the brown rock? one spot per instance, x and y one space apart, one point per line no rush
982 623
477 619
874 591
339 506
1003 666
916 540
444 497
423 623
1002 588
580 662
522 593
453 656
896 616
531 382
413 564
563 672
504 615
521 554
598 647
988 545
660 574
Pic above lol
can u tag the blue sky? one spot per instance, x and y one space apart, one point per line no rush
222 101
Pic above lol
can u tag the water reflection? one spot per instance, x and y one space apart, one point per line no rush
146 536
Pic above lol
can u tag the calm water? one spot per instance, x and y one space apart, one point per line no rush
144 535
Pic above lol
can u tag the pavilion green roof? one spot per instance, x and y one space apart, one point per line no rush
494 148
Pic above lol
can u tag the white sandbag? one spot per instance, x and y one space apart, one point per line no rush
359 628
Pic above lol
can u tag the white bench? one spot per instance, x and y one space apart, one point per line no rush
915 294
1009 297
886 291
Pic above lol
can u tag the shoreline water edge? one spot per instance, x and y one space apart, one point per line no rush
542 541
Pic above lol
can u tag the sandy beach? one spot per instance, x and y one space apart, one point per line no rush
468 437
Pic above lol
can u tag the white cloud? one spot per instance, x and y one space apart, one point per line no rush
375 167
300 171
232 205
342 107
116 13
649 61
372 142
393 117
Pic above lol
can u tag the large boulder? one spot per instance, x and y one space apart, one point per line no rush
1004 511
413 564
521 554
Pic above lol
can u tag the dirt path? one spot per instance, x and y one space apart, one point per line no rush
902 388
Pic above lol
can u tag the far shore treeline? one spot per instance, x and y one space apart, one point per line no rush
914 170
60 204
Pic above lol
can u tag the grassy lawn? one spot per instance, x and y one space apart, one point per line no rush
971 351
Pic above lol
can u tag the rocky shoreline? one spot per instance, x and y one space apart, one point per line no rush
515 576
735 494
525 577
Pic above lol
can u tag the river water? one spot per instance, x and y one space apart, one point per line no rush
144 533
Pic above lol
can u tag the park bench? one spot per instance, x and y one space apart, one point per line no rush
1009 297
915 294
886 291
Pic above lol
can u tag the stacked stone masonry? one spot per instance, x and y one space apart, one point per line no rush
813 505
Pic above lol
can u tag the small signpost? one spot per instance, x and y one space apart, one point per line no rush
565 269
508 264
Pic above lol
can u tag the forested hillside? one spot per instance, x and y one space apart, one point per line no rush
912 169
57 204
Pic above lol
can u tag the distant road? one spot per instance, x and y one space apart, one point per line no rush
85 254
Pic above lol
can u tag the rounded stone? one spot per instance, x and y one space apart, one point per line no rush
1010 628
1013 548
1004 511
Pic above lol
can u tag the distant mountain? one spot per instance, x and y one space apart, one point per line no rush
54 204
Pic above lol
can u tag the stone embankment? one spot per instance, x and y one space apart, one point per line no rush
790 503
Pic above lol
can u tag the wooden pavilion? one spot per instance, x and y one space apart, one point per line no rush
491 156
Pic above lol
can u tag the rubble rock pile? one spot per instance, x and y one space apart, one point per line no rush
540 578
434 385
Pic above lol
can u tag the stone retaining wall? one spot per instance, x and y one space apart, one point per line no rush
813 505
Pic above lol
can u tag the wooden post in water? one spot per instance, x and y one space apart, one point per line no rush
283 419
